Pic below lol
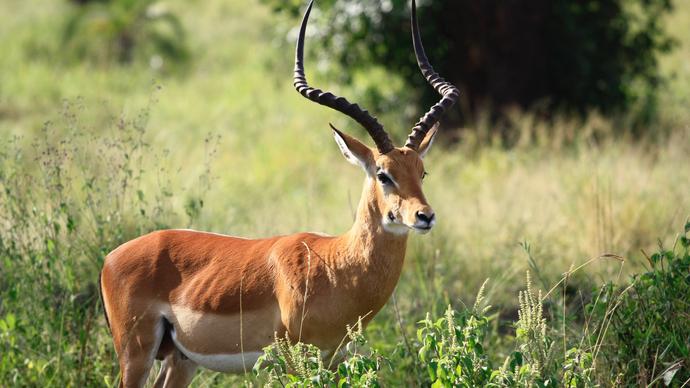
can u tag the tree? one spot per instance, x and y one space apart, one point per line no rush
562 55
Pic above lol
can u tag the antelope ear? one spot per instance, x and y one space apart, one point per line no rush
428 141
354 151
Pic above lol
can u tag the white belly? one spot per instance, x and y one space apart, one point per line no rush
228 363
224 343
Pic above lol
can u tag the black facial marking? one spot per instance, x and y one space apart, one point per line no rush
384 179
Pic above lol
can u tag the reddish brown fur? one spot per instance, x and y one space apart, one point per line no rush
340 278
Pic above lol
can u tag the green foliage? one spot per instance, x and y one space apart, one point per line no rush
124 31
649 337
578 369
302 365
600 54
450 352
452 348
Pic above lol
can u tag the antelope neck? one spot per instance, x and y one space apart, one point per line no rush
367 241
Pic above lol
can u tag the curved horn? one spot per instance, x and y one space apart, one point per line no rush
369 122
449 92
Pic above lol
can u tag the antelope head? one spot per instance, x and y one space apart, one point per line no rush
396 172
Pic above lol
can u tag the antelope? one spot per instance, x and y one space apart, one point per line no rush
193 298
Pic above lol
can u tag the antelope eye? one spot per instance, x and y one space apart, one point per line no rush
384 179
424 175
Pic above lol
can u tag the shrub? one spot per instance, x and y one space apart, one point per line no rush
649 339
575 55
453 350
302 365
452 347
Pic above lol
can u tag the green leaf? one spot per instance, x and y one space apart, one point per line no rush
420 333
71 225
431 369
50 246
478 348
441 372
494 375
422 353
516 360
685 241
437 384
523 370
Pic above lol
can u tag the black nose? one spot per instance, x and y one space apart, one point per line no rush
425 217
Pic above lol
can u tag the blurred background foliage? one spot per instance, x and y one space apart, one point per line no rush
567 57
122 31
552 56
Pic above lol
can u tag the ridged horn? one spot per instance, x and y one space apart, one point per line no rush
369 122
449 92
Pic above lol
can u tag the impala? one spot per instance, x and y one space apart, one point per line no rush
203 299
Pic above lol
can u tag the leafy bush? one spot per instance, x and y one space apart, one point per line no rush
454 353
649 338
452 348
576 55
302 365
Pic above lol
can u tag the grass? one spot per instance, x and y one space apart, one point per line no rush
554 201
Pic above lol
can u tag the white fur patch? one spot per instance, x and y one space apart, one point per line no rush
320 234
352 158
426 149
215 341
421 231
397 229
395 183
229 363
